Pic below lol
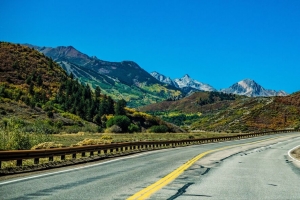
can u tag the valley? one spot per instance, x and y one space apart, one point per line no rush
71 92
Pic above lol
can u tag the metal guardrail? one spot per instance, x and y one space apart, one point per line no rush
20 155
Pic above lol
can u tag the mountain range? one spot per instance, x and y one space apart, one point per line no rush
121 80
127 80
245 87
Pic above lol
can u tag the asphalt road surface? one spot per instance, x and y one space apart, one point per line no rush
263 172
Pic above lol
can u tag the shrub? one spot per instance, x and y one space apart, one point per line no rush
114 129
132 128
120 120
47 145
19 141
158 129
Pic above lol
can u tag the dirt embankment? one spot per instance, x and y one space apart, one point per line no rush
296 153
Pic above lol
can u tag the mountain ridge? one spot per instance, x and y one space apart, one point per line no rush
130 75
247 87
250 88
124 80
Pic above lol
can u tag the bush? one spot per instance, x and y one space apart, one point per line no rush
47 145
132 128
121 121
114 129
19 141
158 129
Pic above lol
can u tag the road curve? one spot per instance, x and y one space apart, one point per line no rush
114 179
265 172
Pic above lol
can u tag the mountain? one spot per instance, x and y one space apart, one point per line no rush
194 103
164 79
186 84
250 88
37 95
214 111
121 80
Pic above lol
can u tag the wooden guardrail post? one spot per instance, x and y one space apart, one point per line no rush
74 155
19 162
63 157
83 154
50 158
36 161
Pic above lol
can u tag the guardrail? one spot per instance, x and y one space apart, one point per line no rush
20 155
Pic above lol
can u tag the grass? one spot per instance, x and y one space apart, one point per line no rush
72 139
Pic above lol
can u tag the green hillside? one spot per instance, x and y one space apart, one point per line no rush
121 80
37 95
210 112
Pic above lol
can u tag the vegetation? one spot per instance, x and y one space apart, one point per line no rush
38 99
220 112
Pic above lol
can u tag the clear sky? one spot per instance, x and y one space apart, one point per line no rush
218 42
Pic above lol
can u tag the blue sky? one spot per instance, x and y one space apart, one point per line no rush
214 41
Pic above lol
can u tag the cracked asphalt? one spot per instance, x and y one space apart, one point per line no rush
260 171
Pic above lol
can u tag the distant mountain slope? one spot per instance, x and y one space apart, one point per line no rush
203 102
218 112
186 84
125 79
164 79
187 81
253 114
250 88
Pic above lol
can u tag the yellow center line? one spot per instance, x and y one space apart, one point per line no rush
151 189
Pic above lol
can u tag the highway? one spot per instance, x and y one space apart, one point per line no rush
264 171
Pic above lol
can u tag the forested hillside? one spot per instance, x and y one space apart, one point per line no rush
231 113
38 92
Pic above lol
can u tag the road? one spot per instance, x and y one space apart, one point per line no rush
265 172
122 177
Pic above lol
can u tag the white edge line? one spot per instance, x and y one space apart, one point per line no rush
289 153
77 168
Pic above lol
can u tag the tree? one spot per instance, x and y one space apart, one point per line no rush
120 120
158 129
97 92
71 76
39 80
120 107
30 90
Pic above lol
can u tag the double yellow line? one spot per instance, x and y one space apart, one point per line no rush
151 189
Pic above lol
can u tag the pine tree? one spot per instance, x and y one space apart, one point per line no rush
97 92
120 107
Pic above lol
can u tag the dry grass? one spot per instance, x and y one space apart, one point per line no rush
104 138
296 153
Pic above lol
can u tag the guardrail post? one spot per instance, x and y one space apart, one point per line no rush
99 152
63 157
50 158
0 164
83 154
19 162
74 155
91 153
36 161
